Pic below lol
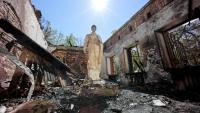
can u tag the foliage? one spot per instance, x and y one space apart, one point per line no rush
57 38
50 34
117 65
114 31
185 43
136 60
71 40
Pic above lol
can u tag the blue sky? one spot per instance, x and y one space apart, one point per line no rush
77 16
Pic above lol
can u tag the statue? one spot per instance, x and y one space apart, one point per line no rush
94 48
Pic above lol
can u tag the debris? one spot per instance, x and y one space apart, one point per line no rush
100 82
140 109
9 109
2 109
72 106
23 67
158 103
133 104
62 100
35 107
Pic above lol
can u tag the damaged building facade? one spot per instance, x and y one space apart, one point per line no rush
25 64
159 45
161 42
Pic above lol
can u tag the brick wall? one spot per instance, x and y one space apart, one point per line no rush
74 57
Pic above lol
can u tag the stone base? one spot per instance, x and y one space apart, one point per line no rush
94 74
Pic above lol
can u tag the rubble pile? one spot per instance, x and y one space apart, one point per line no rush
129 101
71 99
90 99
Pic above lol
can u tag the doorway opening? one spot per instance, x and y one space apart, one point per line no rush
136 70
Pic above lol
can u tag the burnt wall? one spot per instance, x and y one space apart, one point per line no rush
22 15
141 31
23 51
143 15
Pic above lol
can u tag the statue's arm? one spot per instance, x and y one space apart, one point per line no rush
100 50
85 47
99 37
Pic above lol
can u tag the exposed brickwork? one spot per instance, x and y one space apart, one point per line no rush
74 57
7 12
7 69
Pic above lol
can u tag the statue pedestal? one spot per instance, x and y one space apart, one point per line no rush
94 74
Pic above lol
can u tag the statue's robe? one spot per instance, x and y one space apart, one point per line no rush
94 48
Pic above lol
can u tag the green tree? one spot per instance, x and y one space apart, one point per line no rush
71 40
50 34
114 31
57 38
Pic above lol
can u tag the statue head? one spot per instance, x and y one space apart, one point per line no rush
94 28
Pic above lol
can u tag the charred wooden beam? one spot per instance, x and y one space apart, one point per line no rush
27 42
